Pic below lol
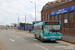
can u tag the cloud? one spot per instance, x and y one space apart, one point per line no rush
9 8
0 20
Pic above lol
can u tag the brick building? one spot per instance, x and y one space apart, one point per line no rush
64 11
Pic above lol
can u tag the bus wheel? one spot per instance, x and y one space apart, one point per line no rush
40 38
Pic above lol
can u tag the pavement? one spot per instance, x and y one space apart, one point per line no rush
23 40
1 45
1 30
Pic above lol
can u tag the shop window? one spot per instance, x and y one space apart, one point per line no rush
65 18
43 17
48 18
52 18
59 17
55 17
71 17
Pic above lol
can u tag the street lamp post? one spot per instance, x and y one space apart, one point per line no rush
35 10
25 22
18 20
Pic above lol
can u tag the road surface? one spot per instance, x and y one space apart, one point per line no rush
13 40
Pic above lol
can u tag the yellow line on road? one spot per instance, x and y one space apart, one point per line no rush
66 43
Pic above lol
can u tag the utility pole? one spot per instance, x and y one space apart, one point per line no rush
18 20
35 10
25 22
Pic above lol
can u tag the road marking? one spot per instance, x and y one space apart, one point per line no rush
12 40
41 46
25 40
66 43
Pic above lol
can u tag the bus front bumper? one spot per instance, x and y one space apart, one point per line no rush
51 39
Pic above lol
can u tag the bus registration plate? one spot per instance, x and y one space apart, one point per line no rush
52 39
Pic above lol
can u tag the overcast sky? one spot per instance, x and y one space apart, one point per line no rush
9 8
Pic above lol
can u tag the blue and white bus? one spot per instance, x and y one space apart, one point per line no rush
48 30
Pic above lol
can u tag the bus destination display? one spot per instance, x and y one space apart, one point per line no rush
52 22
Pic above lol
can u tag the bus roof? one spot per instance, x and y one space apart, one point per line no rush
48 23
41 23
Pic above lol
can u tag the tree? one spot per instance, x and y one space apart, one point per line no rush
7 26
20 22
28 23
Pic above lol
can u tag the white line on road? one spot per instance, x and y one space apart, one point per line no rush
25 40
41 46
12 40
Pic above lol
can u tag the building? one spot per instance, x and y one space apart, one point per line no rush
64 11
2 26
26 27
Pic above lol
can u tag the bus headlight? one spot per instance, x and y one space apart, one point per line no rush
44 37
60 37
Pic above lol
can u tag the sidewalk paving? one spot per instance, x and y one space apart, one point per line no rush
1 30
1 45
32 35
26 32
32 32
